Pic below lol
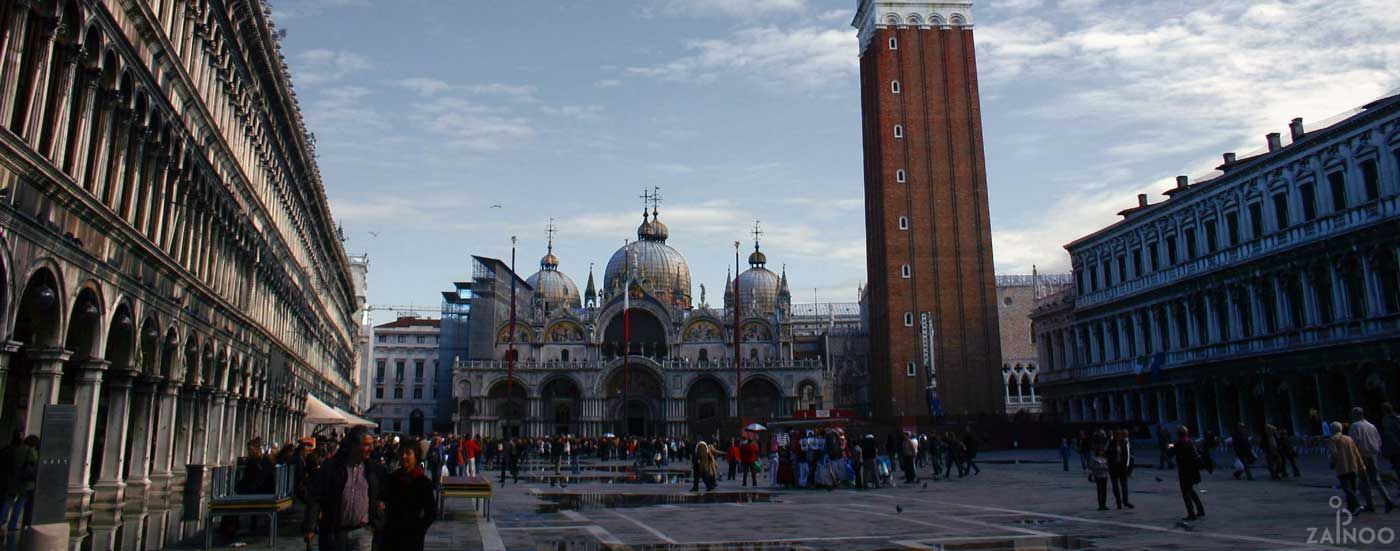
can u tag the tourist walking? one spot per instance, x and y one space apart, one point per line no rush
1064 453
348 492
1209 443
1244 452
1098 474
970 446
1120 466
1346 462
1288 453
410 505
706 465
871 450
1368 444
748 457
1188 472
732 458
1390 436
473 449
906 458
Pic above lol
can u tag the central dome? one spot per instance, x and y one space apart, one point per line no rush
659 268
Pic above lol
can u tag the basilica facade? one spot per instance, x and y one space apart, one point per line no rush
636 355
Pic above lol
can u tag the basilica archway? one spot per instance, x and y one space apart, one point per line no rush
761 399
706 404
635 401
509 402
647 335
560 398
38 322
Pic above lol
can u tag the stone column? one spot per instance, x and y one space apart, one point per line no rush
1310 308
85 396
1242 404
39 83
227 445
109 168
110 487
1220 416
1318 383
10 60
1199 428
1295 413
204 417
1161 397
138 480
1283 307
1144 412
1170 337
43 385
1375 301
1180 397
56 149
165 435
7 350
90 102
1213 329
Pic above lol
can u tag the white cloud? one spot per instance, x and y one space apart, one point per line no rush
422 85
477 128
735 8
580 112
1175 80
520 92
608 83
323 65
805 59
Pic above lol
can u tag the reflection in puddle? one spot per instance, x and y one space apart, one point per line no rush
579 501
1052 543
607 478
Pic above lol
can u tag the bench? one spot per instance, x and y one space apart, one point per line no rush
476 488
224 501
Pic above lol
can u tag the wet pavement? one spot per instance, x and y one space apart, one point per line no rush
1022 501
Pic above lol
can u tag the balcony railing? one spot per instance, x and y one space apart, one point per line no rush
668 363
1301 234
1340 332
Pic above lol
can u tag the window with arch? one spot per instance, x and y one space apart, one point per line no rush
563 355
899 131
908 319
894 86
904 224
900 176
894 43
905 271
703 356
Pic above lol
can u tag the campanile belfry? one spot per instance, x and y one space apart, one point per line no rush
933 320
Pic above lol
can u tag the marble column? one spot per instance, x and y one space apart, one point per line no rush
184 431
7 351
55 148
1242 404
228 447
86 393
205 409
43 385
1161 397
11 56
110 487
138 480
166 393
1179 394
41 52
1221 418
1198 428
1295 413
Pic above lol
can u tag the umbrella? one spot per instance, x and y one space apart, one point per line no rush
755 427
609 435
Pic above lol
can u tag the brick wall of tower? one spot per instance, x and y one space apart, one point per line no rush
948 243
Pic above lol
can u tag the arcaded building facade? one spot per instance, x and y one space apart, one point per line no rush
933 319
168 265
1267 293
580 371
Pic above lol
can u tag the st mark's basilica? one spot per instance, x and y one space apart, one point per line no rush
677 375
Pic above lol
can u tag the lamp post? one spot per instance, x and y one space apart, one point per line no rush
510 340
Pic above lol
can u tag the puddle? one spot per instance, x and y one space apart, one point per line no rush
607 478
1054 543
1017 462
560 501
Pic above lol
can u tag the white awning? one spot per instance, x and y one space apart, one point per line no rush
355 420
318 413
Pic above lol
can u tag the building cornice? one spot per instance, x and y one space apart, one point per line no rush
879 14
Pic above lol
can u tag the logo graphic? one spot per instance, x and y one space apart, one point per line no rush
1341 530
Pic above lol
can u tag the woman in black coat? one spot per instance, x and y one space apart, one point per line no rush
410 505
1188 472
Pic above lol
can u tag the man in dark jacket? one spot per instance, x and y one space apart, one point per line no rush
1120 465
1244 450
970 452
347 489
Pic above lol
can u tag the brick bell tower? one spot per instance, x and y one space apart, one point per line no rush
934 338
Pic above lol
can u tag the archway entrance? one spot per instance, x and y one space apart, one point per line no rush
508 400
561 405
648 335
36 328
761 400
706 404
641 414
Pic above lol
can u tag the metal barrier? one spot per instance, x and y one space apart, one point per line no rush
224 500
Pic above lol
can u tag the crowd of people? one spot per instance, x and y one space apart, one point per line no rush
1354 451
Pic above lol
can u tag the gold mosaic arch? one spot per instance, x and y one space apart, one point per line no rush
702 331
756 331
563 331
522 334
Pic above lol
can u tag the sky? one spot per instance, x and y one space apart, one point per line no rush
444 127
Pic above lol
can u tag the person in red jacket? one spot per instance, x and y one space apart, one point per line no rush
748 456
733 457
473 449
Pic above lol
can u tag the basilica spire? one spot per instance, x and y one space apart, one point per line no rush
590 292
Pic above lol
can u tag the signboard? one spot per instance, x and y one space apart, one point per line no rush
51 482
823 414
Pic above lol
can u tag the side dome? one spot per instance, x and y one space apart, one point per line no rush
758 286
557 290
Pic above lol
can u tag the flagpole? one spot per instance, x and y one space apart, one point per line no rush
626 335
510 352
738 356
